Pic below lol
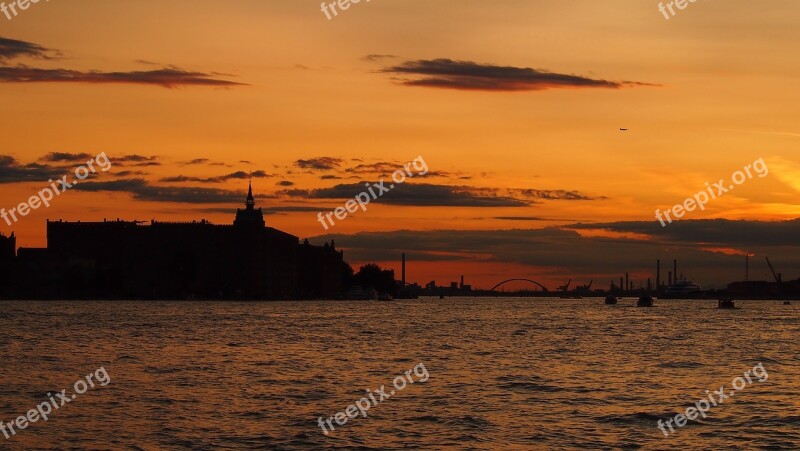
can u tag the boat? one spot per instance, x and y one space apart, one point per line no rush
645 300
726 303
682 289
357 293
385 297
611 300
787 303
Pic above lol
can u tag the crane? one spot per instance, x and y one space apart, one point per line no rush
565 287
777 276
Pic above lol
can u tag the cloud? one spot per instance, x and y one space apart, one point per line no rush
56 164
381 167
330 177
468 75
562 252
285 183
142 190
196 161
238 175
135 160
67 157
427 195
529 218
12 171
319 163
377 57
166 78
11 49
128 173
558 194
717 232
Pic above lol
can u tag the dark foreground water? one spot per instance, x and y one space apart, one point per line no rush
502 374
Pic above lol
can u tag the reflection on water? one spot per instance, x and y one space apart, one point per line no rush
510 373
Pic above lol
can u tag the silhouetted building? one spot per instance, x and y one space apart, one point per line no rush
8 249
179 260
755 289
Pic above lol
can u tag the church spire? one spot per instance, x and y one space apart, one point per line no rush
250 203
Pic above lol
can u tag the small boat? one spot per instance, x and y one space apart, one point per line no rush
787 303
384 297
726 303
645 300
441 296
611 300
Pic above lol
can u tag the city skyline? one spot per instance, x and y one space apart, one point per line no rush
517 108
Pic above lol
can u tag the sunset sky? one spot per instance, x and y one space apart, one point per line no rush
515 106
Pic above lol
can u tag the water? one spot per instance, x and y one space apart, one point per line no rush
504 374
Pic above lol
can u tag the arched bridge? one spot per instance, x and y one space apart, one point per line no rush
544 288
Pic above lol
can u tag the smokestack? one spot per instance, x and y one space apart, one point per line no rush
404 269
621 287
627 286
675 270
658 274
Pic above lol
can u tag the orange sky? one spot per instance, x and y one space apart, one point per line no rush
703 94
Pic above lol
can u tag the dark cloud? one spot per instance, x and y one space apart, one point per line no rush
12 171
135 160
319 163
330 177
11 49
558 194
128 173
718 232
529 218
303 193
166 78
61 157
468 75
238 175
196 161
56 164
285 183
202 161
142 190
427 195
381 167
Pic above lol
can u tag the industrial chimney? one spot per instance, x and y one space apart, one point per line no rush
658 274
404 269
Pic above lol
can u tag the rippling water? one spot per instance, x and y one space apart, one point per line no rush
504 373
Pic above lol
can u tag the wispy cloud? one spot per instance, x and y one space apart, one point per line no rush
319 163
11 49
142 190
468 75
238 175
167 77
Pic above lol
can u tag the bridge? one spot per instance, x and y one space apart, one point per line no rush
544 288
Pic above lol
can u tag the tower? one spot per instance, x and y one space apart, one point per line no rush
250 216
